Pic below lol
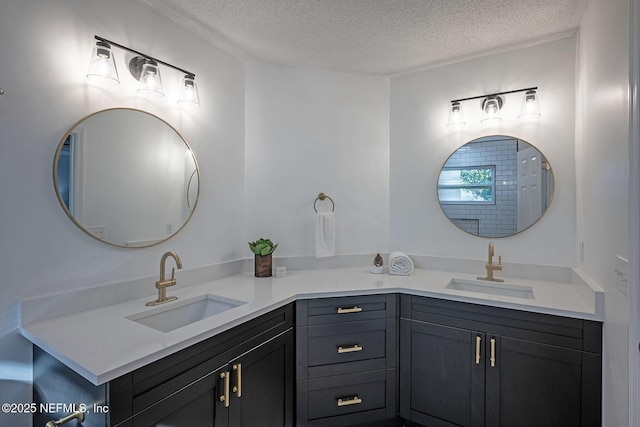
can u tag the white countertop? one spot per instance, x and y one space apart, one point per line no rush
102 343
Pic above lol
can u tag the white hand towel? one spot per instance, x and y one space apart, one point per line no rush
400 264
325 234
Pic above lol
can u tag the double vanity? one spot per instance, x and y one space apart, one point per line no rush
326 347
456 343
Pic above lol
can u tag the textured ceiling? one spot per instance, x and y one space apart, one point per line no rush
382 37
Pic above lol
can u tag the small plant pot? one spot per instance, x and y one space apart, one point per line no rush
263 265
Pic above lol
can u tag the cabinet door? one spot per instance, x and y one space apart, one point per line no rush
532 384
441 375
194 405
262 385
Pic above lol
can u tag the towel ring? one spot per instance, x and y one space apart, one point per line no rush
323 196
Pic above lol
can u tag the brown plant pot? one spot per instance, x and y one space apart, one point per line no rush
263 265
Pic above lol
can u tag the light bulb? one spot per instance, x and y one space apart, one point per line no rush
530 104
189 91
150 80
456 117
102 64
491 106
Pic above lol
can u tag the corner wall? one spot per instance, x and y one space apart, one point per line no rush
310 131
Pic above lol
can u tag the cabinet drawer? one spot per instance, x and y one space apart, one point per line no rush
349 342
347 394
345 309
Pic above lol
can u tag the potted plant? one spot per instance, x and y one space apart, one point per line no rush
263 263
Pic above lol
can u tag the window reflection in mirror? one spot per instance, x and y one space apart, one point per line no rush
467 185
495 186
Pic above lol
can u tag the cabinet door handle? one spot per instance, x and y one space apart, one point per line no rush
351 349
355 400
493 352
354 309
478 343
225 396
238 388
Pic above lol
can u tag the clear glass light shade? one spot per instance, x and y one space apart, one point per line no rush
456 117
189 91
491 107
102 64
150 79
530 104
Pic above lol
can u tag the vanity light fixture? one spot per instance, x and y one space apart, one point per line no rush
102 63
530 105
147 73
189 91
456 117
144 68
492 105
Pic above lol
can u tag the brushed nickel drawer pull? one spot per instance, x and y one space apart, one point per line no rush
238 388
351 349
355 400
478 342
354 309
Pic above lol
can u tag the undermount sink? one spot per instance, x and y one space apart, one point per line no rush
182 313
492 288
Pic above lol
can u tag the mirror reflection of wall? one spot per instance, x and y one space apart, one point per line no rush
495 186
124 176
65 171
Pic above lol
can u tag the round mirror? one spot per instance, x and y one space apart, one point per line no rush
126 178
495 186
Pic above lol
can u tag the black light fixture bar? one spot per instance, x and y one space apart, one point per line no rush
493 94
192 75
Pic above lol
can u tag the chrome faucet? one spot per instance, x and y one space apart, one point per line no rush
163 283
491 267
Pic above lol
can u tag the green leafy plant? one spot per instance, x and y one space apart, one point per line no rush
262 246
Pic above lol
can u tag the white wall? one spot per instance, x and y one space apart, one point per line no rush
602 159
310 131
634 216
45 46
421 142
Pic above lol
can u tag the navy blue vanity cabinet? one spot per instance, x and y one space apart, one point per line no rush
262 385
251 389
346 360
195 404
472 365
242 377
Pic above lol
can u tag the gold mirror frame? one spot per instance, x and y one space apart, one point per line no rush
131 132
503 215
